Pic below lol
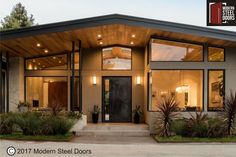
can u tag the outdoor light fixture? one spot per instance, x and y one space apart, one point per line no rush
138 79
100 42
133 36
99 35
94 79
132 43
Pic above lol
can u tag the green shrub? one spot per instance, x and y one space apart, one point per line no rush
216 128
54 125
179 127
6 123
29 123
74 115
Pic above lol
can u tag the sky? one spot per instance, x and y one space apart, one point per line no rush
49 11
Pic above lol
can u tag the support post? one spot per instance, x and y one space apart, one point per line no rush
7 79
1 103
80 77
72 84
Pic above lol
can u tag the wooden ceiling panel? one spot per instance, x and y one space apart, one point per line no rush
114 34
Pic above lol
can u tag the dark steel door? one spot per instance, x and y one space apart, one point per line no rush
117 96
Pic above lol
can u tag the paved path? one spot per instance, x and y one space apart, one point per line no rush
110 150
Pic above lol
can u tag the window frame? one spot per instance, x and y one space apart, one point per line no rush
117 69
178 41
213 46
208 88
203 91
49 55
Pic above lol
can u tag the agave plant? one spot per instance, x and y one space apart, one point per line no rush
197 125
229 114
167 109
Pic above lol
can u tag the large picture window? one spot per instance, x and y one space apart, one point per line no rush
116 58
164 50
47 63
215 89
185 86
47 92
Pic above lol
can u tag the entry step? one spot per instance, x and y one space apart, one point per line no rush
117 129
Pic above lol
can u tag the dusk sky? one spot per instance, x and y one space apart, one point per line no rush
48 11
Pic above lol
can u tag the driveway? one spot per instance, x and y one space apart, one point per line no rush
48 149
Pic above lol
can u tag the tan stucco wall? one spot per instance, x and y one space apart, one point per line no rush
92 94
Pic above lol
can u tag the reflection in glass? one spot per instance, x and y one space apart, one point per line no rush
163 50
76 94
107 99
216 89
186 86
116 58
215 54
46 92
47 63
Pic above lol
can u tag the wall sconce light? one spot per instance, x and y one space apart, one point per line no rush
94 79
138 79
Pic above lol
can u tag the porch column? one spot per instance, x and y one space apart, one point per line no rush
72 83
1 106
80 77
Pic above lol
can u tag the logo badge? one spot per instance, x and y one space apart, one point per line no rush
221 12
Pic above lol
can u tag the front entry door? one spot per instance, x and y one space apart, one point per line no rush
117 96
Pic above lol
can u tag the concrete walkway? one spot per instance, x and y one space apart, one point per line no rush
70 149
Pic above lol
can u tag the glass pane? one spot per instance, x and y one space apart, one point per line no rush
47 63
76 94
76 59
186 86
116 58
47 92
163 50
107 99
216 89
215 54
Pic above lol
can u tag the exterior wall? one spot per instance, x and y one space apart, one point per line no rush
16 82
92 65
230 76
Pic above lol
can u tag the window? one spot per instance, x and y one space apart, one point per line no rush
163 50
46 92
186 86
216 54
215 89
47 63
116 58
76 93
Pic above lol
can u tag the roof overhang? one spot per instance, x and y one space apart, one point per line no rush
116 30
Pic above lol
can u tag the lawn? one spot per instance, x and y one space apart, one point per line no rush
179 139
19 136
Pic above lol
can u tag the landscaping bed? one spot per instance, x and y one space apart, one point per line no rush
19 136
37 126
180 139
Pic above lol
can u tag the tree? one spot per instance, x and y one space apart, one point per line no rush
17 19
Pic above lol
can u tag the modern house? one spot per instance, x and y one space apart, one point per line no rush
117 62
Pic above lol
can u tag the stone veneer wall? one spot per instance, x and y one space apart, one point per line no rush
16 82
